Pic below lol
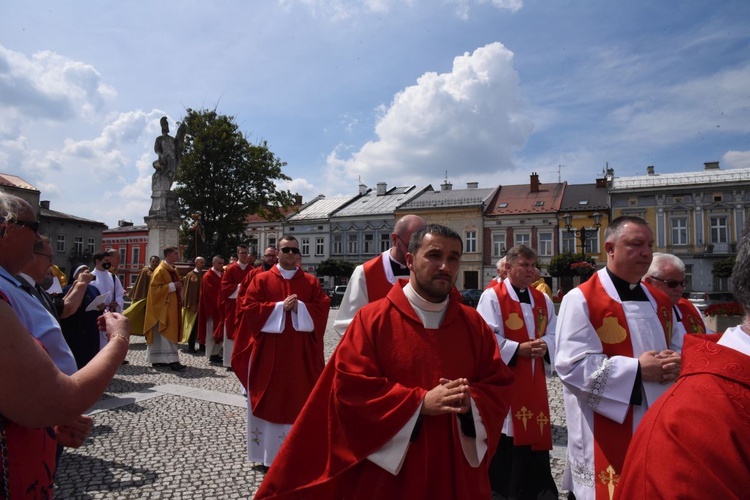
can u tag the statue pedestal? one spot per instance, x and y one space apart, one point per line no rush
162 233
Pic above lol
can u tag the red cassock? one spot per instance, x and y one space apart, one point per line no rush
208 306
233 276
695 441
285 366
369 390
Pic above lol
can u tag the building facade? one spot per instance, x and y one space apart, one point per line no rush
131 243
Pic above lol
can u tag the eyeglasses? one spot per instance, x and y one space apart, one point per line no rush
294 250
50 257
31 224
670 283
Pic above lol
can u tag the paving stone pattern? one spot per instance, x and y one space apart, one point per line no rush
164 434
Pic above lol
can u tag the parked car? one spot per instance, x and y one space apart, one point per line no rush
702 300
470 296
337 295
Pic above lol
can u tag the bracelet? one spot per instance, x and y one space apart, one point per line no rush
119 336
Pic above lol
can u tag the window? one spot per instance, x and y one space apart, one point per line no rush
385 242
539 203
679 231
320 246
133 279
592 241
502 205
271 240
369 247
545 244
78 244
523 239
568 242
136 255
498 244
718 229
351 244
305 246
471 241
92 246
338 245
121 250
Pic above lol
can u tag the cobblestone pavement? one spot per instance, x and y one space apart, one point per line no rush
164 434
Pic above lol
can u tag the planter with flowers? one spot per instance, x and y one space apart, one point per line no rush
583 268
719 317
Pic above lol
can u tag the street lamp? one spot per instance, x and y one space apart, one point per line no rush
583 233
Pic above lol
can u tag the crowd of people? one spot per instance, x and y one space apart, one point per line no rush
424 397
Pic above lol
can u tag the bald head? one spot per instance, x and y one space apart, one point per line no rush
402 231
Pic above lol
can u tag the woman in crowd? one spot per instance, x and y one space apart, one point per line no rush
81 329
39 405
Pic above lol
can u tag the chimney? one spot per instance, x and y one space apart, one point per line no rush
382 188
446 186
362 189
650 170
711 165
44 204
297 200
534 182
472 185
124 223
602 182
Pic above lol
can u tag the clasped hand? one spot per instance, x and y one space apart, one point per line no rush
290 303
449 396
536 348
661 366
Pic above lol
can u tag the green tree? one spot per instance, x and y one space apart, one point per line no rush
225 178
723 268
336 268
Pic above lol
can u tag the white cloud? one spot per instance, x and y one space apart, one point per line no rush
736 159
340 10
49 86
469 121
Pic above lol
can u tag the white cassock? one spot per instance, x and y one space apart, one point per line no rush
592 382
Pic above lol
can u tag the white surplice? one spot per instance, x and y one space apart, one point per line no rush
592 382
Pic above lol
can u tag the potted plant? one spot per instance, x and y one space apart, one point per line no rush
719 317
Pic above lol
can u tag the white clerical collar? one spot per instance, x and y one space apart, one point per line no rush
286 273
430 313
242 266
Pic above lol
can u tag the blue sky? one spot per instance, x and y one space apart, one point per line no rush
373 90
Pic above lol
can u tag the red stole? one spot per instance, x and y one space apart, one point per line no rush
691 318
531 420
377 282
611 440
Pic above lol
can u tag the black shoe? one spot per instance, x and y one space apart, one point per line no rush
126 362
159 365
229 369
176 366
215 359
201 347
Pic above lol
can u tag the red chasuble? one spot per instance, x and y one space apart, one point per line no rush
530 404
208 303
607 316
285 366
695 441
691 318
233 276
377 282
374 383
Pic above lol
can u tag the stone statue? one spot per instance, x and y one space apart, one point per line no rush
169 150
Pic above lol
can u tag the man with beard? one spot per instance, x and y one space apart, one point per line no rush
400 410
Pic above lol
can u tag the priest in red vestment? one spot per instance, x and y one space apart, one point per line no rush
208 308
230 285
667 274
373 280
278 353
695 441
411 403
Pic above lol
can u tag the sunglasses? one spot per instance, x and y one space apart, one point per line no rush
31 224
294 250
670 283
